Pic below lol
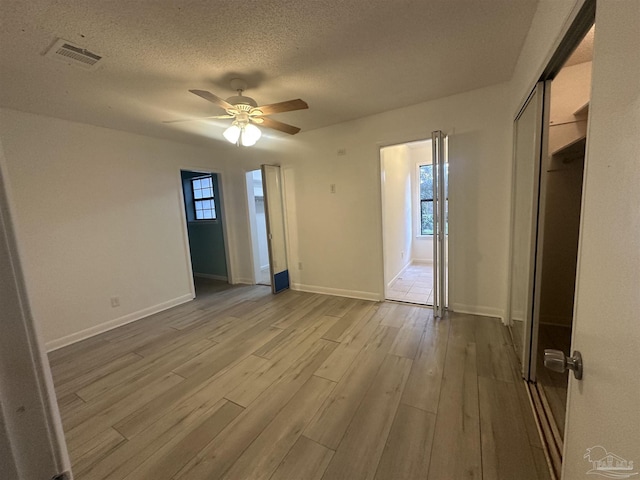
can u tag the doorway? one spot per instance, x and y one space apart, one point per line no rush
407 187
266 205
562 177
258 228
204 225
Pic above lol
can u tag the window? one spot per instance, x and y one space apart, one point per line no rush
203 200
426 198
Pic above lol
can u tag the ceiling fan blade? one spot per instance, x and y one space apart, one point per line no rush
212 98
196 119
276 125
288 106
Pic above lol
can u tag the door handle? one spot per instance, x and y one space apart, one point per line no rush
557 361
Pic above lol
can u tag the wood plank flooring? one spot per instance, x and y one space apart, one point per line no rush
242 384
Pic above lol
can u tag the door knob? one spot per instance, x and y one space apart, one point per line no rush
557 361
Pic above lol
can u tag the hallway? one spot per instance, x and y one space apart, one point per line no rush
413 285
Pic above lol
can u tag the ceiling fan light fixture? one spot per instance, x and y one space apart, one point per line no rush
250 135
232 134
242 134
245 113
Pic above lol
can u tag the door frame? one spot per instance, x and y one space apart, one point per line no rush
285 230
255 262
383 283
29 415
228 248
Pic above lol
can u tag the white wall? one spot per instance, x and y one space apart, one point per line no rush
570 91
7 460
261 221
31 437
560 246
549 24
338 237
396 210
99 214
603 407
258 226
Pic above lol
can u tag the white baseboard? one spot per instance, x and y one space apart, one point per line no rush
518 315
478 310
243 281
338 292
116 322
398 275
421 261
557 320
223 278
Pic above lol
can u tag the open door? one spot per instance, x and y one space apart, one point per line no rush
274 209
439 142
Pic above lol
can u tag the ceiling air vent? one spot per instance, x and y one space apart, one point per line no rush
71 54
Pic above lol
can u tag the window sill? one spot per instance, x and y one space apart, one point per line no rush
202 222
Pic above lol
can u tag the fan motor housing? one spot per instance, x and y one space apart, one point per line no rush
242 100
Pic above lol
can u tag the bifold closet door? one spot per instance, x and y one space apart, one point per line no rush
274 210
439 142
528 149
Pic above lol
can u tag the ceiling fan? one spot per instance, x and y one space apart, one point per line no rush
245 112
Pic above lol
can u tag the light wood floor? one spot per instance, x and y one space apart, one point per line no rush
242 384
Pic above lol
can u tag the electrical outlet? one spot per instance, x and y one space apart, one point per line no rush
115 302
342 151
332 188
299 265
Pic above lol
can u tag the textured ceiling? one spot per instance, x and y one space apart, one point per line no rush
346 58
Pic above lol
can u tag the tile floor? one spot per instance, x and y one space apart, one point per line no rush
265 276
414 285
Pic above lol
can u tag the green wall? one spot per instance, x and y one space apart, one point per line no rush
206 238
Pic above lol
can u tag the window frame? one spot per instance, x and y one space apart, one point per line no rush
427 200
421 200
212 198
